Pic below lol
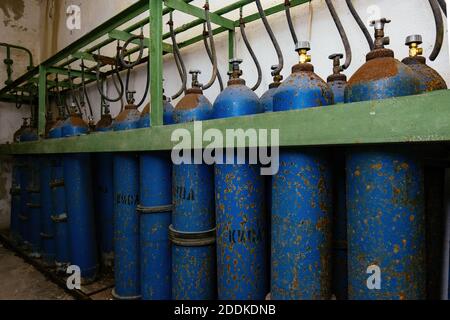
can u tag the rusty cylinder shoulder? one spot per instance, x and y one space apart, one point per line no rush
302 67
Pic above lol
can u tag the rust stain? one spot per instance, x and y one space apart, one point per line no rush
12 9
190 101
374 70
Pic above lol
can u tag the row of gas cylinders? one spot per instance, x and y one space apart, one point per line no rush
194 231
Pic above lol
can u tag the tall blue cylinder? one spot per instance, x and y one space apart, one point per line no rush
15 202
59 208
302 201
47 225
193 224
78 190
32 212
104 197
240 208
126 219
15 225
155 211
385 196
337 83
431 80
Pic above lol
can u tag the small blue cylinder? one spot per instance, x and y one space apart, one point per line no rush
240 209
126 219
59 208
47 224
266 99
302 201
193 262
78 189
385 196
104 197
155 211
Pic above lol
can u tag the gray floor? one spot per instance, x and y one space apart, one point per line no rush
20 281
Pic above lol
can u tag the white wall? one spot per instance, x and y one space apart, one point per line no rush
408 17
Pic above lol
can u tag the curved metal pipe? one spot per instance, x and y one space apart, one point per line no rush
120 89
252 53
213 48
178 61
287 8
278 70
83 84
361 24
147 84
123 51
443 5
337 21
208 51
439 29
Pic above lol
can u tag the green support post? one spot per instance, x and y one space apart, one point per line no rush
156 62
42 100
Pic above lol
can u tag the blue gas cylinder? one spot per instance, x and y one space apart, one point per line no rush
59 207
155 211
302 198
33 199
337 83
385 196
104 197
434 180
126 219
18 165
240 205
266 99
47 224
192 232
145 120
80 215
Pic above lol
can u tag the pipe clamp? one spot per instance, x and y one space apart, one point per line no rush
192 239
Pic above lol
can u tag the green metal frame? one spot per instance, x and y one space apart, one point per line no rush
400 120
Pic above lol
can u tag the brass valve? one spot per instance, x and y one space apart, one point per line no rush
302 49
413 42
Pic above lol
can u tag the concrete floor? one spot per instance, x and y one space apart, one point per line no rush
20 281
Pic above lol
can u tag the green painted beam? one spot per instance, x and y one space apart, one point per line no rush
199 13
156 62
124 36
77 73
198 22
270 11
413 119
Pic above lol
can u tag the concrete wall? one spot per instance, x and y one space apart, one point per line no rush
20 24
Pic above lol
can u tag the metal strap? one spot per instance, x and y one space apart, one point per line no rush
31 190
22 217
57 183
192 239
33 205
61 218
151 210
